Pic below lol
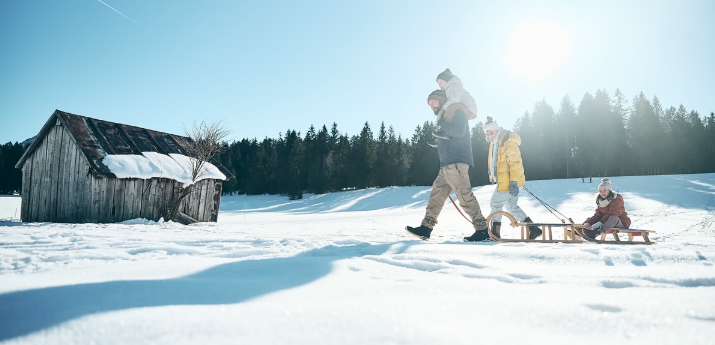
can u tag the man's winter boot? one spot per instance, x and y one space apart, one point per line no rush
422 232
478 236
534 230
432 144
440 134
496 229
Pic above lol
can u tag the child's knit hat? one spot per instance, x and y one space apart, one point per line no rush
446 75
605 183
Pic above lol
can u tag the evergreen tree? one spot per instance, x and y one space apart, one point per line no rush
611 136
679 142
710 143
382 158
541 141
697 143
531 155
479 176
424 159
587 153
295 163
669 160
565 124
363 158
645 132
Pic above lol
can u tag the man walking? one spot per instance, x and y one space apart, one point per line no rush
455 158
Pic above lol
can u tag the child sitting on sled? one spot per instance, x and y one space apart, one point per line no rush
457 98
610 211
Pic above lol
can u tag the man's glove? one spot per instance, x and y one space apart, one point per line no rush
513 188
586 225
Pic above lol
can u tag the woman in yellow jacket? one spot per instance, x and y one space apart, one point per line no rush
507 171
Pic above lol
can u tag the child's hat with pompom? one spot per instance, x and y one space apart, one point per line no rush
446 75
605 183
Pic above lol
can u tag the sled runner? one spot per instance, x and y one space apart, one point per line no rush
546 231
616 239
573 233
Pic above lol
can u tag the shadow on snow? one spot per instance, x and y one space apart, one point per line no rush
345 201
25 312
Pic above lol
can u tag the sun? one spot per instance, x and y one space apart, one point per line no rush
538 49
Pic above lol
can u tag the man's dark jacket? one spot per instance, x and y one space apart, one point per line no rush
459 148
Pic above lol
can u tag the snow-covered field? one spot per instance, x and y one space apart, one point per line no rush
339 269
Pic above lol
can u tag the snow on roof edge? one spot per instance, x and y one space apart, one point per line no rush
153 164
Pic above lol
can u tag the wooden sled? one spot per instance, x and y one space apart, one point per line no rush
573 233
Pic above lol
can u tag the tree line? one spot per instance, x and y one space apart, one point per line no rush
10 178
325 160
603 136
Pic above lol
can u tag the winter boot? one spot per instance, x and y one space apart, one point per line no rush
440 134
432 144
592 233
422 232
496 229
478 236
534 230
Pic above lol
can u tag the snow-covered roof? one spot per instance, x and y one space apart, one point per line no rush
126 151
152 164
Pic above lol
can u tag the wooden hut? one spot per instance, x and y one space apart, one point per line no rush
64 179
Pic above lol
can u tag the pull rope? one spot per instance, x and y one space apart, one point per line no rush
549 207
460 211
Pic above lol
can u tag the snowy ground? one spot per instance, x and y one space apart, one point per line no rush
340 269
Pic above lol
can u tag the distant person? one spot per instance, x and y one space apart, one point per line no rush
507 171
590 180
457 98
610 211
455 158
582 180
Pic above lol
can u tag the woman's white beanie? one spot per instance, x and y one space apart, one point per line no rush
491 125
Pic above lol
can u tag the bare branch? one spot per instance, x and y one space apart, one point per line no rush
205 144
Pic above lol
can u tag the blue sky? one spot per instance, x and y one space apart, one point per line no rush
268 66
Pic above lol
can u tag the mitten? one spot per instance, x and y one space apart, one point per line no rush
513 188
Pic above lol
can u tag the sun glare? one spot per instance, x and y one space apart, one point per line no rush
538 49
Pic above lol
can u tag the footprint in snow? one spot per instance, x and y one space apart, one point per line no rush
604 308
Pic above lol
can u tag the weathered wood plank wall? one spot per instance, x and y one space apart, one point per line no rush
59 187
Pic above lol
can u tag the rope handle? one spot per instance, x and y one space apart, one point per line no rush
547 206
460 211
550 208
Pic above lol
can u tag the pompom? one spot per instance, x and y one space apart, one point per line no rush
606 179
489 119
